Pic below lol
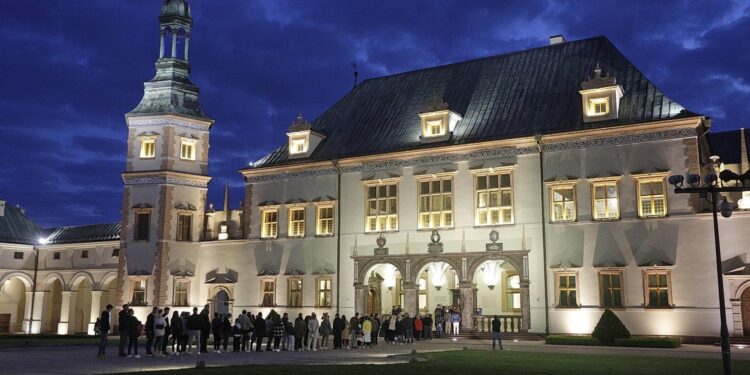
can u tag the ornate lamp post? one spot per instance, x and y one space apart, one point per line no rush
713 189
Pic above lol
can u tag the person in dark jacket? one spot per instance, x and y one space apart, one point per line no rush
278 332
237 337
217 326
150 330
167 331
134 331
226 330
375 329
104 327
496 333
269 332
427 323
205 329
122 324
337 328
176 332
259 331
299 333
194 331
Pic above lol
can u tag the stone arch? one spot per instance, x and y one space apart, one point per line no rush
50 278
369 265
14 288
26 279
79 277
477 262
741 289
108 277
424 262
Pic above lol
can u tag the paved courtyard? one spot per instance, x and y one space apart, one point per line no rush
82 359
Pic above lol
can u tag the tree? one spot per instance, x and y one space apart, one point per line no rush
609 328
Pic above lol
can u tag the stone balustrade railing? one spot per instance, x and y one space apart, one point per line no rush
508 323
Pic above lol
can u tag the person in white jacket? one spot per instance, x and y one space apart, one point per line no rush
312 332
159 324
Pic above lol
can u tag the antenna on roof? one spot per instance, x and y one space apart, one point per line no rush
356 74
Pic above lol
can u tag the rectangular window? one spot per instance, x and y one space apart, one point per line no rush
139 292
56 255
181 292
611 289
598 107
513 293
493 199
567 290
84 254
18 255
187 149
382 207
295 292
657 289
269 293
324 226
142 226
436 203
434 128
652 197
115 253
324 292
297 222
606 200
563 205
298 145
184 227
148 148
270 223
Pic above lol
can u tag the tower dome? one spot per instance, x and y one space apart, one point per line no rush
175 8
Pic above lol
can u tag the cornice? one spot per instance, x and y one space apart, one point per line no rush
168 120
165 178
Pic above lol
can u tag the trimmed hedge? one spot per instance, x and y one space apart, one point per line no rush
634 342
610 328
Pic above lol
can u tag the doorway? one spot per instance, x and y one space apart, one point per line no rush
221 302
745 298
373 302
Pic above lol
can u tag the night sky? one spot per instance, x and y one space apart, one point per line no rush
70 70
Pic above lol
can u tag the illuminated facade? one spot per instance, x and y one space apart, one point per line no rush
529 185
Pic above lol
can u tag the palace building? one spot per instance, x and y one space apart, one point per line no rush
529 185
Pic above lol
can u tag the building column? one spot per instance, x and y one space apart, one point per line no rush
96 308
468 306
525 307
68 303
36 315
360 299
411 292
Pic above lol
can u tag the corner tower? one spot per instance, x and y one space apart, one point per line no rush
166 176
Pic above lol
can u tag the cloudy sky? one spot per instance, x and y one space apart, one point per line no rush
70 70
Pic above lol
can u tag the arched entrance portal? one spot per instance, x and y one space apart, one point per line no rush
373 302
745 301
12 305
221 302
384 289
52 306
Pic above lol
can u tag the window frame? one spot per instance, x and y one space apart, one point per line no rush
193 144
142 154
56 255
137 220
264 232
181 281
84 254
508 291
442 194
602 289
475 183
568 274
668 288
376 184
296 139
319 290
180 234
289 291
604 182
318 219
18 255
567 185
291 221
263 292
651 178
593 102
133 282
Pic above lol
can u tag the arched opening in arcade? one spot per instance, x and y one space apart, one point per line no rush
52 305
497 292
384 284
437 285
80 311
13 292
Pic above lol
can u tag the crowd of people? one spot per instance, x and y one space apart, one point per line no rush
178 333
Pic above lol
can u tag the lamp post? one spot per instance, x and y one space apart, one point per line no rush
713 189
41 241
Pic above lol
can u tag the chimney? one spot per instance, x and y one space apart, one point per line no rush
556 39
2 208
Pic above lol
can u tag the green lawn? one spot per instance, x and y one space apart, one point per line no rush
474 362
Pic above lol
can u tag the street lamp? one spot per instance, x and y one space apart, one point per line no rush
40 242
713 188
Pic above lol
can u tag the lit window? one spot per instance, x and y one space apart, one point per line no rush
138 297
270 223
422 297
606 202
436 203
269 293
611 288
324 226
298 145
513 293
148 147
563 203
598 107
181 288
142 226
493 199
84 254
18 255
115 253
295 292
297 222
652 199
187 149
324 292
382 207
184 227
567 290
744 203
657 289
434 128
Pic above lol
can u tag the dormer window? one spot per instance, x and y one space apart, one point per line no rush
298 144
600 97
302 139
437 121
434 128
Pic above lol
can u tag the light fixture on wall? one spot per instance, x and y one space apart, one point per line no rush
436 270
490 272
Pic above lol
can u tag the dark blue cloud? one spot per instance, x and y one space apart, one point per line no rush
70 70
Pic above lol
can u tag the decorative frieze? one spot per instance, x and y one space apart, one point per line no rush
619 140
161 180
180 123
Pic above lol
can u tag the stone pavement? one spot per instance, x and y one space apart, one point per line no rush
82 359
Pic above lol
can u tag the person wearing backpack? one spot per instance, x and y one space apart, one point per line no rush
135 329
104 328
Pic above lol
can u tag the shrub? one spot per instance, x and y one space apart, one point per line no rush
650 342
610 328
571 340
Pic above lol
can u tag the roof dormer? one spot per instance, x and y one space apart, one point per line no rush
437 121
600 97
302 139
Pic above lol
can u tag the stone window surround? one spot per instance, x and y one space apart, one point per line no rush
437 177
318 291
291 280
594 182
263 282
382 182
290 219
181 280
324 205
487 171
644 177
611 271
657 270
567 184
267 209
567 272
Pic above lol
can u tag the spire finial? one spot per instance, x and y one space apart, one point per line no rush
356 74
598 70
226 201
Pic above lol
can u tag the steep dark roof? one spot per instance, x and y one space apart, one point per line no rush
727 145
500 97
16 227
84 233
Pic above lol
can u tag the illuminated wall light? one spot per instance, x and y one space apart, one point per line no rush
389 276
491 272
437 273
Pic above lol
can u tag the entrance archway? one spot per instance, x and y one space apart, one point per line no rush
80 315
373 302
745 302
221 302
384 289
436 283
497 292
13 304
52 306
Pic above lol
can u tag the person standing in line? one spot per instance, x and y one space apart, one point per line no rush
217 326
250 332
269 332
427 323
260 331
205 328
104 327
278 332
150 331
418 327
438 321
299 333
496 333
167 331
392 327
176 328
194 332
345 333
236 336
122 326
375 329
367 332
244 321
184 317
312 332
354 328
226 331
325 331
456 319
160 325
289 332
134 331
336 331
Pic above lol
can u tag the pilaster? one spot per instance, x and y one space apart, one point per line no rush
68 303
360 299
411 292
468 305
96 308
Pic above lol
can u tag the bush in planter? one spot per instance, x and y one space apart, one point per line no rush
610 328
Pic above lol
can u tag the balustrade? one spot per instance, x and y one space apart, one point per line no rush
508 323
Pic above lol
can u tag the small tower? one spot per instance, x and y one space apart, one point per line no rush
166 174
